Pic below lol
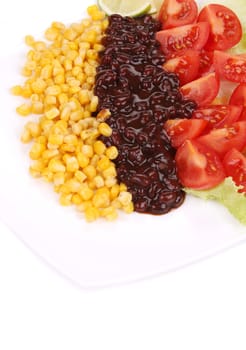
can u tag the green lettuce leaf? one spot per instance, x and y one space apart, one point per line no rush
227 194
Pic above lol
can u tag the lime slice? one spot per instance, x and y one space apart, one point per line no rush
131 8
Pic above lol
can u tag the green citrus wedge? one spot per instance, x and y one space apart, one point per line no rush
131 8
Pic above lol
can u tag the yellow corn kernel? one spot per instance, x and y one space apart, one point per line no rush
37 107
90 171
76 128
72 164
103 115
129 208
84 97
105 24
29 40
39 45
112 152
103 163
53 90
86 193
77 115
38 86
91 214
109 172
24 109
99 147
114 191
98 181
52 113
98 47
123 187
101 198
41 139
109 213
73 185
26 136
38 165
94 104
33 128
36 150
110 181
65 199
87 150
105 129
50 153
71 139
49 101
59 179
56 166
76 199
16 90
79 175
55 139
125 198
83 160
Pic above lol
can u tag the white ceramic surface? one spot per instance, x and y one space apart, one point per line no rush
101 253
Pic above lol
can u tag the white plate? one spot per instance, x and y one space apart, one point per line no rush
134 247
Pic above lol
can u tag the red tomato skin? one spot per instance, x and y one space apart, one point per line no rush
180 130
202 90
186 13
225 27
234 164
238 96
185 66
176 41
198 166
218 116
223 139
230 67
243 115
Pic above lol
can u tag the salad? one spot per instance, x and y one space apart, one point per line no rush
72 145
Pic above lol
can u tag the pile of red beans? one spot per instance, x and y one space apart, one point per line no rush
141 96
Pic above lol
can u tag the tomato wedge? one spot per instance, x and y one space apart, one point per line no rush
175 13
225 27
176 41
203 90
185 66
235 166
224 139
198 166
230 67
238 96
218 116
180 130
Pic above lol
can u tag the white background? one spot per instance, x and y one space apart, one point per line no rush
202 306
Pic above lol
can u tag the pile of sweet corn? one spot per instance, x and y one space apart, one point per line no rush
59 80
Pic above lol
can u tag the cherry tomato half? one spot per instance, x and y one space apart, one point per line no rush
225 27
235 166
203 90
185 66
223 139
175 13
230 67
198 166
218 116
180 130
177 40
